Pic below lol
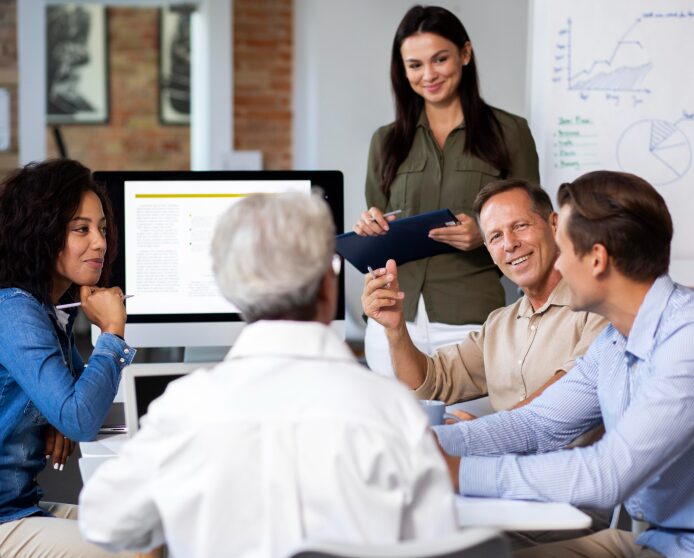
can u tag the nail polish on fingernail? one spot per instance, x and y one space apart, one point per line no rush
61 467
48 457
56 465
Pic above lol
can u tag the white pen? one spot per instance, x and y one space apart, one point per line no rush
76 304
373 275
389 214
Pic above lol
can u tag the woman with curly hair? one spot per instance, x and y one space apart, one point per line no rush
56 247
446 144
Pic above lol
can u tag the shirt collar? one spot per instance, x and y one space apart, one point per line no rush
423 121
560 296
642 334
68 316
290 339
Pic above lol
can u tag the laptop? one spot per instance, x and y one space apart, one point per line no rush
143 383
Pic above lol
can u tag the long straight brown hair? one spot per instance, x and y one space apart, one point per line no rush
484 137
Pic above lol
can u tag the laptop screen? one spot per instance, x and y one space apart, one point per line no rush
148 388
143 383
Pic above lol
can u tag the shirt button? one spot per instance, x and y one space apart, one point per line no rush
639 516
121 360
521 398
126 351
520 361
533 328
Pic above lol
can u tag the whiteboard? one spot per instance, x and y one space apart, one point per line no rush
612 87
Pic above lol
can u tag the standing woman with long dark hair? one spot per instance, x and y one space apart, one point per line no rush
56 247
446 144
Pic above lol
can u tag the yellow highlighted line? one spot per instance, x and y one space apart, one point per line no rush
191 195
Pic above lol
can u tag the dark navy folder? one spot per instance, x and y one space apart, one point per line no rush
407 240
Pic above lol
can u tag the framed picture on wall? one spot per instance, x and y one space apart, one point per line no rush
174 64
76 64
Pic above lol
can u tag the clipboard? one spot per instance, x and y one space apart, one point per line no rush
406 241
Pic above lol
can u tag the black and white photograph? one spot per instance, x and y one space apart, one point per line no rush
76 64
174 65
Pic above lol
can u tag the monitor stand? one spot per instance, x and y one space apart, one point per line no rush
204 354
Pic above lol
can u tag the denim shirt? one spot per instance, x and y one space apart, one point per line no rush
43 380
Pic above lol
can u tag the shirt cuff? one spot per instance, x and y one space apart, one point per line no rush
451 438
109 343
478 476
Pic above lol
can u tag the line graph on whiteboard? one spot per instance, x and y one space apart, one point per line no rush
623 70
614 84
613 89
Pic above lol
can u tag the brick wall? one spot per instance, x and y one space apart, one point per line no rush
134 138
8 77
263 79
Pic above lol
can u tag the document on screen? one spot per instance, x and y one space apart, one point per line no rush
168 232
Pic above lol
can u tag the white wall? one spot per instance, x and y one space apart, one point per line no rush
342 89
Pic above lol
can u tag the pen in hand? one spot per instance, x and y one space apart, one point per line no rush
373 275
389 214
76 304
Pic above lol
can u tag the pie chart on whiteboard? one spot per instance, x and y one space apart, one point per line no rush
655 150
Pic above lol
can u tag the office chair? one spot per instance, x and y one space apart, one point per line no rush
622 520
469 543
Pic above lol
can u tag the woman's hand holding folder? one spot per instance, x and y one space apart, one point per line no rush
464 236
374 222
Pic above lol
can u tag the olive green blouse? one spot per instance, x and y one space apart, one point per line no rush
462 287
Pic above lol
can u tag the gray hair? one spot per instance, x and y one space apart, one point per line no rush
270 253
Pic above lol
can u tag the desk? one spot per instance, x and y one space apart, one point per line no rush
513 515
519 515
96 453
478 407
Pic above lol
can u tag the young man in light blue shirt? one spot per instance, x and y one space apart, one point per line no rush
638 376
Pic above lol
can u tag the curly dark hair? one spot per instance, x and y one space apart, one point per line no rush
36 204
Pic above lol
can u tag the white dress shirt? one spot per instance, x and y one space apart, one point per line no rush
288 439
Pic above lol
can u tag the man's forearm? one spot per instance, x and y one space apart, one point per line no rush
453 464
409 363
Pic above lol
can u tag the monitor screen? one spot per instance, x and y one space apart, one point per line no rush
165 224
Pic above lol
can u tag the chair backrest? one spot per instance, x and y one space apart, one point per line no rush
470 543
622 520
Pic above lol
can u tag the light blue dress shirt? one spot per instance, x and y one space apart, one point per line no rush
643 388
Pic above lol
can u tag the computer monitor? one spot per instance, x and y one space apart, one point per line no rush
165 223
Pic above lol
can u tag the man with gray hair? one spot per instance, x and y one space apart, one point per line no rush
289 438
